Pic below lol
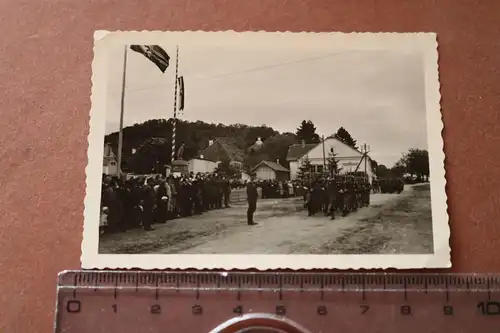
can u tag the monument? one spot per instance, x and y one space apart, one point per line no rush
179 166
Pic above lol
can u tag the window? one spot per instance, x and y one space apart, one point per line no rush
113 163
319 168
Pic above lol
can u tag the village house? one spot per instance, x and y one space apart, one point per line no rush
347 157
109 161
223 149
201 165
267 170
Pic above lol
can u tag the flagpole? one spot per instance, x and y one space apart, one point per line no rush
324 155
120 134
175 102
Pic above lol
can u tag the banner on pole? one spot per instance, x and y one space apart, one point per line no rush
155 54
181 93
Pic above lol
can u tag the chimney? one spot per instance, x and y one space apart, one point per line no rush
278 161
303 143
201 156
134 151
210 142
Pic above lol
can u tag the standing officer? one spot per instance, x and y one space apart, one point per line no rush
226 190
252 195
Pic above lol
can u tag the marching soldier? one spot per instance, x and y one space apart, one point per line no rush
348 194
332 197
358 192
367 192
342 195
315 199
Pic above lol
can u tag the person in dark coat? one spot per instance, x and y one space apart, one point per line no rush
226 190
252 196
149 200
161 203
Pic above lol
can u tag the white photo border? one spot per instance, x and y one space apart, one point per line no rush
426 43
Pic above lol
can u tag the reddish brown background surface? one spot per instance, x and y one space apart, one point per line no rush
45 58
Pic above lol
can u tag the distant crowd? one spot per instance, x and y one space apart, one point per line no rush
141 201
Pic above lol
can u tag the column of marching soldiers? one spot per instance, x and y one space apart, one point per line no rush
140 201
340 193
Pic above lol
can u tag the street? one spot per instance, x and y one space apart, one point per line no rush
393 224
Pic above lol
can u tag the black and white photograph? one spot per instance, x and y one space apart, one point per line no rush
237 150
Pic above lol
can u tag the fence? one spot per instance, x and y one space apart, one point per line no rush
240 194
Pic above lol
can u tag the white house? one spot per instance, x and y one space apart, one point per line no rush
109 161
267 170
347 157
245 176
201 165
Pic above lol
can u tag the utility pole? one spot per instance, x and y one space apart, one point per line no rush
366 150
324 156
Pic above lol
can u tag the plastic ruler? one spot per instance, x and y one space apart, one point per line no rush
227 302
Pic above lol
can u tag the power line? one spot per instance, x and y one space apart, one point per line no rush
269 67
245 71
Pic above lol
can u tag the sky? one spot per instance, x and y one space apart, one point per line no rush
378 96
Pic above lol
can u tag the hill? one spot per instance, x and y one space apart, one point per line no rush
147 146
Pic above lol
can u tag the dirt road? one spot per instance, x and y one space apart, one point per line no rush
394 223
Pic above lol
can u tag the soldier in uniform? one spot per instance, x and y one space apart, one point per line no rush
332 197
348 195
252 196
367 192
340 194
315 198
357 193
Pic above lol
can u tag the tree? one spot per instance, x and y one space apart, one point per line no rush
398 169
332 163
228 170
273 149
416 163
276 147
304 169
307 132
262 132
382 171
253 158
344 136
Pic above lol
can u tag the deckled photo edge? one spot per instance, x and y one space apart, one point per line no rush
90 257
95 148
435 127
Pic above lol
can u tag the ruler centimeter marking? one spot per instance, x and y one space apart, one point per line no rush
278 295
281 282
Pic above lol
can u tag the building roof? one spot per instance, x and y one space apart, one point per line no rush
296 151
199 158
223 148
273 165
